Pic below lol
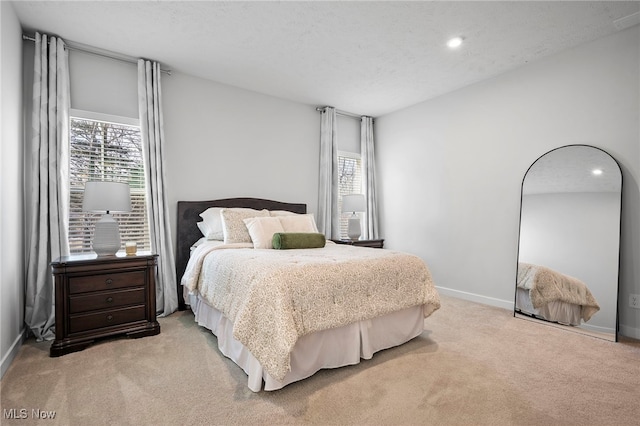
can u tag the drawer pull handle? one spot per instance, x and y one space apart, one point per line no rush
109 299
109 317
109 281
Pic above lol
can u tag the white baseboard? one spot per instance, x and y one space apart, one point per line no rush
491 301
597 329
7 359
627 331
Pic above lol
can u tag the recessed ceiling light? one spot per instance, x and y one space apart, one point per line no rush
597 172
455 42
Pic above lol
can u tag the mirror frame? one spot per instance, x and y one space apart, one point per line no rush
574 329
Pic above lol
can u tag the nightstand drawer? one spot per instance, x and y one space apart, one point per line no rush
87 283
106 300
84 322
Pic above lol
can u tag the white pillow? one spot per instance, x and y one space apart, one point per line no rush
202 226
212 224
261 230
298 223
233 227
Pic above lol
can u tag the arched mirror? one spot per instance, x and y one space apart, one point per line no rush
568 251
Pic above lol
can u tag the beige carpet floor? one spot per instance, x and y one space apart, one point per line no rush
473 365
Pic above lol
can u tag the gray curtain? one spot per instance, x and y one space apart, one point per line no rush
151 126
48 154
370 228
328 219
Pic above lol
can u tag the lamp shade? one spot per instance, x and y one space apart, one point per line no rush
353 203
106 197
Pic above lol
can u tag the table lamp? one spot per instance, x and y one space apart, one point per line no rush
353 203
106 197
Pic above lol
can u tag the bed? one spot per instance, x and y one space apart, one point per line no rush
550 295
282 315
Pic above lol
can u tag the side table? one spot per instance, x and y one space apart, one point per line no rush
103 296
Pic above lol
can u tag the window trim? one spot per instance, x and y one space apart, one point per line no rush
82 115
106 118
348 154
343 217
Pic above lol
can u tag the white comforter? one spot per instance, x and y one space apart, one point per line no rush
275 296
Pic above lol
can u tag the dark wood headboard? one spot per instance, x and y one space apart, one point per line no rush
187 231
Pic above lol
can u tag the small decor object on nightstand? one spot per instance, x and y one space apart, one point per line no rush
106 197
353 203
130 248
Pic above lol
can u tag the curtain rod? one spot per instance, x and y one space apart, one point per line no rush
347 114
94 51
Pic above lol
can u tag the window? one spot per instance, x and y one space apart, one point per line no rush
106 148
349 182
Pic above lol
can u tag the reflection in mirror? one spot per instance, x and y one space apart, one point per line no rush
568 252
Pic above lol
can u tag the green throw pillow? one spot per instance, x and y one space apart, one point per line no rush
298 240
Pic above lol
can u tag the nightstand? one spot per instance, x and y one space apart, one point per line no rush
103 296
362 243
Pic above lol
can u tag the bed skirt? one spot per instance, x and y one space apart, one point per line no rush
332 348
555 311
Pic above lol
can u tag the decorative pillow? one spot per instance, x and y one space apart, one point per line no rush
212 224
298 240
261 230
233 227
298 223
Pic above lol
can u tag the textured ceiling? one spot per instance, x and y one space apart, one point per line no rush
364 57
570 169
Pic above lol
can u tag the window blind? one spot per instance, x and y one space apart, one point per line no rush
106 151
350 182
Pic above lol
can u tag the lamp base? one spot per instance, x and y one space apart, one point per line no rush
106 237
354 231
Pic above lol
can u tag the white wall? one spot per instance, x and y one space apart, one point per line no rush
227 142
103 85
11 195
348 134
460 160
